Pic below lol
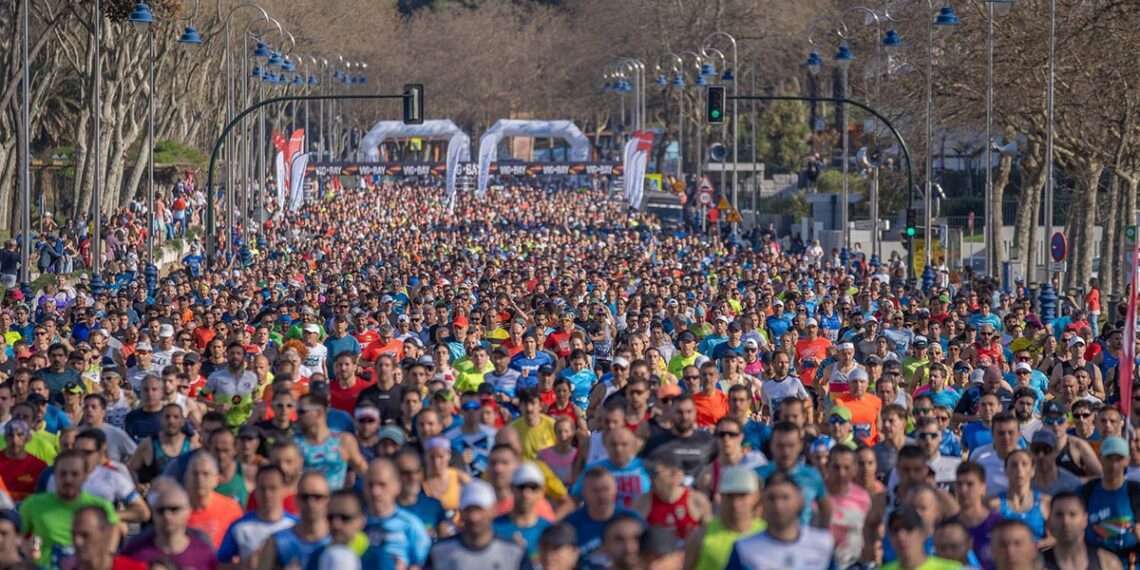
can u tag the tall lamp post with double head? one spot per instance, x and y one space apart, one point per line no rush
729 77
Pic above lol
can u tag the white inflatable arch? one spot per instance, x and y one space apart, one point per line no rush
458 143
489 142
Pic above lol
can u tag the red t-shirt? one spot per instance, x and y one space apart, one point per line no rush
20 475
559 342
393 347
290 504
345 398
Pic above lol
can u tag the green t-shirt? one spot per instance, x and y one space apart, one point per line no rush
49 517
43 445
932 563
235 488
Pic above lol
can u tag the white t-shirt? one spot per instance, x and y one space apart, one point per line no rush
225 385
315 359
110 481
775 391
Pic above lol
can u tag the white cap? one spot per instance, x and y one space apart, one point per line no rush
1023 366
312 328
751 342
811 322
143 345
528 474
477 493
977 376
621 361
738 480
165 331
1075 341
723 319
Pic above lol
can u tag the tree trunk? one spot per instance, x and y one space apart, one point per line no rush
1025 226
1127 215
993 233
1109 248
1087 222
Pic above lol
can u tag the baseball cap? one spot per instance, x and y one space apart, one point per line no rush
667 391
811 323
36 399
1022 366
72 388
393 433
873 360
751 343
12 516
477 493
471 405
921 342
621 362
527 474
366 411
1044 437
1113 445
460 322
738 480
426 360
312 328
248 431
546 369
686 337
1053 408
1075 341
143 345
165 331
842 413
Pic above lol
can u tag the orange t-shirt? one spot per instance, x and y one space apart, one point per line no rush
807 349
542 509
394 347
710 408
864 415
215 519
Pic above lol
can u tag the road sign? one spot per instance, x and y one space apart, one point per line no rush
705 198
1058 267
1058 246
723 204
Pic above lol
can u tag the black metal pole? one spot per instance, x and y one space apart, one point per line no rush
890 127
210 230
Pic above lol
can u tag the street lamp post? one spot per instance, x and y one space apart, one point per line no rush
843 58
709 70
1048 225
143 20
25 147
96 135
946 17
992 7
728 76
676 67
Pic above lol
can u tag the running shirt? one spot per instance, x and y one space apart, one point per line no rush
198 555
498 554
49 517
865 412
848 514
809 480
292 550
325 457
632 480
811 550
1112 515
237 389
505 383
590 531
473 448
673 515
507 529
774 391
401 535
1034 518
248 533
527 367
718 542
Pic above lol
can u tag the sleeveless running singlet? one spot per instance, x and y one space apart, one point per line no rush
1033 518
674 515
326 458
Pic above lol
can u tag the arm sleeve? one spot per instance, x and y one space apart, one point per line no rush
228 550
420 544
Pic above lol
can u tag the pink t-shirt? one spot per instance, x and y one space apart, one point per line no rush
848 514
562 464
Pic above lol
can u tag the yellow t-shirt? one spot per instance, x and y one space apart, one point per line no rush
534 439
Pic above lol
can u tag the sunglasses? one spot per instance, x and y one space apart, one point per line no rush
727 434
528 487
1041 449
944 419
341 517
367 420
1053 420
836 420
929 435
923 411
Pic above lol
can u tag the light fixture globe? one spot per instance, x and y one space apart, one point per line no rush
814 63
275 60
262 51
727 76
679 80
844 56
141 16
662 80
708 69
190 36
892 39
947 17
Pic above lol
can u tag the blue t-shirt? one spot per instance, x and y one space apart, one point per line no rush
975 435
756 435
507 529
528 367
400 535
335 346
1111 518
778 326
809 480
429 510
292 550
55 419
632 480
589 530
947 397
710 342
723 350
582 381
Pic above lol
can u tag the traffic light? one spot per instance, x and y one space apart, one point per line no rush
716 104
413 104
911 229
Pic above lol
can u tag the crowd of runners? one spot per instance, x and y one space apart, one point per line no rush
545 379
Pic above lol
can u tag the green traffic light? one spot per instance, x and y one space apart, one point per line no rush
911 232
715 113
